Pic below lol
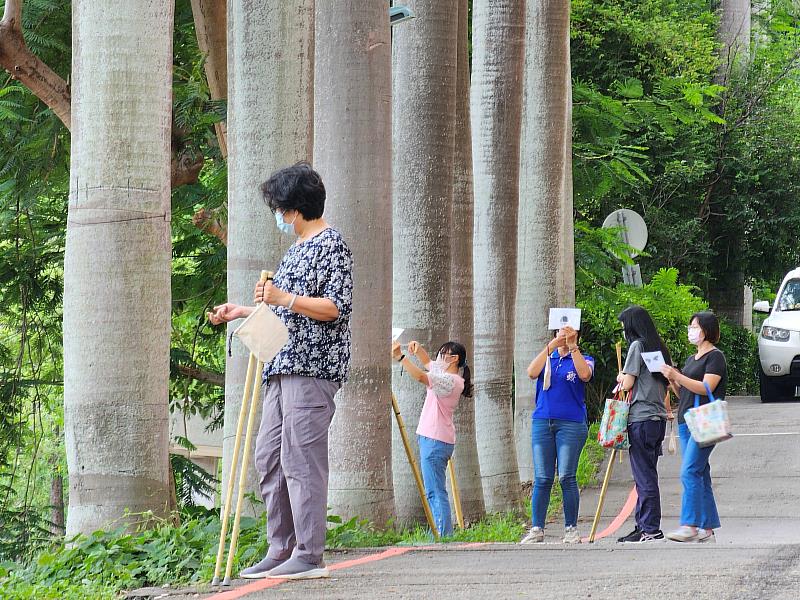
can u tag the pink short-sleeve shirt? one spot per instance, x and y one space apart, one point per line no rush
436 419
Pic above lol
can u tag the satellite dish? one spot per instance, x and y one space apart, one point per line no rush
634 232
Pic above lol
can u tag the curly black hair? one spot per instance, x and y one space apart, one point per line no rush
299 188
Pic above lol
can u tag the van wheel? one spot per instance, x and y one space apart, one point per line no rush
768 389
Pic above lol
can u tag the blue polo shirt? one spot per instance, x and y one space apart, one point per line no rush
566 398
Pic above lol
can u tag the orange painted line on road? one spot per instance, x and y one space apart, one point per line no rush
618 521
263 584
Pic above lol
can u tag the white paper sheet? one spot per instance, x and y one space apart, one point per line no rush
653 360
561 317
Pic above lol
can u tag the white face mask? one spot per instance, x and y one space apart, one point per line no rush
695 336
441 364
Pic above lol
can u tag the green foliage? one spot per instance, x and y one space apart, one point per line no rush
741 353
109 561
670 303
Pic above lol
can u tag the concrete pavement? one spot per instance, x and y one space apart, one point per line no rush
757 484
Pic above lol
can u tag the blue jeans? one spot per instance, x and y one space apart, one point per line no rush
698 507
434 456
554 441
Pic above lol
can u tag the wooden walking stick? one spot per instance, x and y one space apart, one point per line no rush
414 468
253 370
610 466
251 419
456 496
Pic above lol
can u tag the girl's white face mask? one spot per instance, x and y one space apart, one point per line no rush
441 364
695 335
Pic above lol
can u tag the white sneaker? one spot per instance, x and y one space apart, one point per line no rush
684 533
571 535
706 536
535 536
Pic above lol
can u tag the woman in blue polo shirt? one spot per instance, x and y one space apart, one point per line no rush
559 429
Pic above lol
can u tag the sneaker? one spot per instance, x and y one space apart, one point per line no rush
684 533
706 536
633 536
657 536
294 568
261 569
571 535
535 536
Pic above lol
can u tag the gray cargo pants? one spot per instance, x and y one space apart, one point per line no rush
291 457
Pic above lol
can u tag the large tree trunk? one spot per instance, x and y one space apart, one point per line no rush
270 124
727 293
210 23
117 263
498 36
353 156
734 37
465 457
56 492
423 93
545 246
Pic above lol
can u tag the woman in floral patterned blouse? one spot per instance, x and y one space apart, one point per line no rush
312 293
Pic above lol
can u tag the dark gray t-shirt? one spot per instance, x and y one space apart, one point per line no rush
648 391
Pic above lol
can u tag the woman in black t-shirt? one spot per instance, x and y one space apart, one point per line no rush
699 515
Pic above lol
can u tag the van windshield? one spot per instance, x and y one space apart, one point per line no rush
790 297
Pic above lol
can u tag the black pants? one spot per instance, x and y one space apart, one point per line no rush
645 438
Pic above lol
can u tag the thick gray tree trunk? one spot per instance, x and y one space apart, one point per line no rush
545 246
734 36
465 457
270 125
728 293
423 93
117 263
498 36
210 23
353 156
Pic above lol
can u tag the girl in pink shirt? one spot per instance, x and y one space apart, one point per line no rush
447 379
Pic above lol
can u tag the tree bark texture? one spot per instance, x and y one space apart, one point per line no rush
117 263
734 37
726 292
545 246
423 95
461 320
210 23
353 156
270 125
498 36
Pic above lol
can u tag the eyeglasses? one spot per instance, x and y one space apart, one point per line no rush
693 327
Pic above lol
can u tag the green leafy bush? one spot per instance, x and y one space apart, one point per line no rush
105 562
670 303
741 352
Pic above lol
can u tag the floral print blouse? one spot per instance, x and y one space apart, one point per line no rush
320 267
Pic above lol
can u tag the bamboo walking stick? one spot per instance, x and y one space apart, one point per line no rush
456 496
414 468
251 419
226 511
610 466
253 370
603 489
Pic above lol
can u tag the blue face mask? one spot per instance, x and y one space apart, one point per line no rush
284 226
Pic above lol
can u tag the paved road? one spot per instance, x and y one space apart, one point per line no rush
757 556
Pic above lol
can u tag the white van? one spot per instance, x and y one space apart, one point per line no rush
779 342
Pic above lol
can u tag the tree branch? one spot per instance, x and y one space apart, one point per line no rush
27 68
211 222
202 375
